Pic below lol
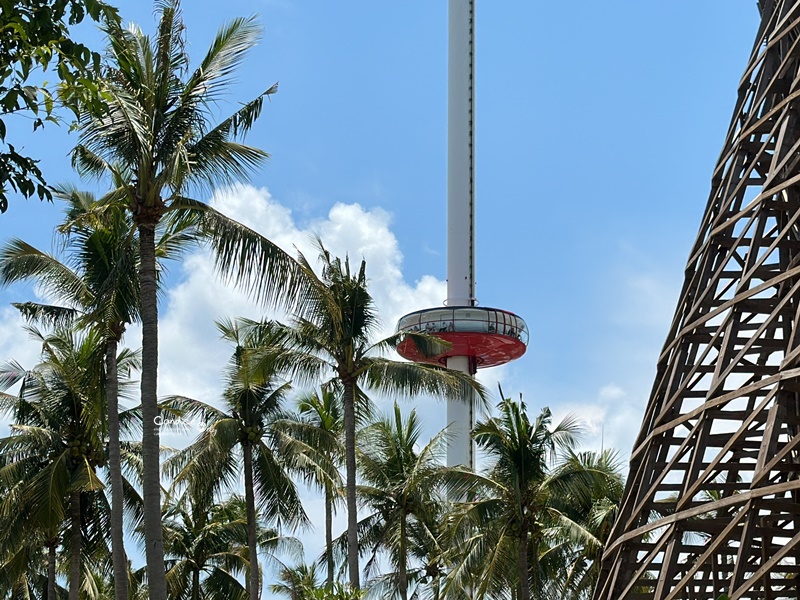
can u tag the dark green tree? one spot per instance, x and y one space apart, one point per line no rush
207 548
509 532
157 127
335 331
57 444
96 284
36 35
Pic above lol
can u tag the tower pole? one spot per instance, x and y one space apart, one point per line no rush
461 207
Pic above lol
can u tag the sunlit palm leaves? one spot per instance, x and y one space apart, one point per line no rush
49 463
335 330
248 433
506 538
401 490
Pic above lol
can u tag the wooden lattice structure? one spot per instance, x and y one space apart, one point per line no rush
712 504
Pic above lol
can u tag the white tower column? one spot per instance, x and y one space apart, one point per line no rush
461 420
460 206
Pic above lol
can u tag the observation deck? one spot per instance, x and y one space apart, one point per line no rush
489 336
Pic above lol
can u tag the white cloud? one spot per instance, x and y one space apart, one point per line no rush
611 392
15 345
14 340
192 356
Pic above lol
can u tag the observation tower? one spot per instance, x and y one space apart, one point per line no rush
480 337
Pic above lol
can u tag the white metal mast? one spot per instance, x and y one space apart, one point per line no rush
461 206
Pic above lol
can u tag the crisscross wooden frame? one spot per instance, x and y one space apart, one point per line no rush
712 503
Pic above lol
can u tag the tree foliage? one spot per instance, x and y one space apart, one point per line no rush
34 34
156 142
525 524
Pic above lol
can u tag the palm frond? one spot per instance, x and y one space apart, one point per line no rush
411 379
224 56
248 259
20 261
427 345
48 314
222 584
11 373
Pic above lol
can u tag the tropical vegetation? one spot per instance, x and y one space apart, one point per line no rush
526 523
154 144
94 506
332 338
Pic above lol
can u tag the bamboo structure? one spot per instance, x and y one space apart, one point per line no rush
712 503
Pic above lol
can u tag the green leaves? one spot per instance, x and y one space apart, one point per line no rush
23 175
34 33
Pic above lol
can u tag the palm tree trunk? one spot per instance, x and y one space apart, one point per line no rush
329 533
75 545
51 569
119 559
253 583
522 563
350 485
151 480
195 584
403 566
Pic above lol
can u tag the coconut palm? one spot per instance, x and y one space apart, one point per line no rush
505 531
335 331
400 482
27 554
319 426
157 126
297 583
426 538
586 520
303 591
96 285
207 547
253 395
57 444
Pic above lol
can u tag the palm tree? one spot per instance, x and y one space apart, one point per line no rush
157 127
252 425
586 521
400 484
207 547
301 583
97 285
335 330
57 443
319 426
504 532
337 592
426 539
297 583
27 554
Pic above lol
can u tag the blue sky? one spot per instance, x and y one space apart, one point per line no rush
598 126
